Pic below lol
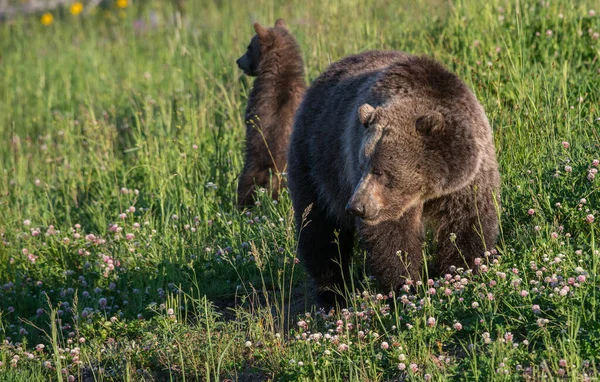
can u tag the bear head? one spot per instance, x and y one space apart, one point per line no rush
411 151
260 46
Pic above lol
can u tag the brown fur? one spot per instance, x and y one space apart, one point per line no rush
274 57
384 144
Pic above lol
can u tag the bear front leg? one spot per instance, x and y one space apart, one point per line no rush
465 233
252 177
245 190
324 249
395 248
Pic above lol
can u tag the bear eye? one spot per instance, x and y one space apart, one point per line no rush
376 172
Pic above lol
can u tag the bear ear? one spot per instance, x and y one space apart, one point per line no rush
429 123
365 114
260 30
280 23
264 35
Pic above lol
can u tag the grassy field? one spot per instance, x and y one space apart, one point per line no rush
123 256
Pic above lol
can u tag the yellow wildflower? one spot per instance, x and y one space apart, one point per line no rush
47 18
122 3
76 8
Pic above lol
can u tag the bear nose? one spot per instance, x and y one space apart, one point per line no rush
357 209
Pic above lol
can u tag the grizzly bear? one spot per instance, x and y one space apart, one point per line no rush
274 58
385 144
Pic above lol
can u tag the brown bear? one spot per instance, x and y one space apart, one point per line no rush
386 144
274 57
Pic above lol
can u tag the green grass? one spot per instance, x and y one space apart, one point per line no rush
99 113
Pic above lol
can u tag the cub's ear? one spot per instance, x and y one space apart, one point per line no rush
280 23
429 123
261 31
365 114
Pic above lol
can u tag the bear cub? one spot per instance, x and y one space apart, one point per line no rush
274 58
386 144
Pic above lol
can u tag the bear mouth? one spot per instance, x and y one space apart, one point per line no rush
249 72
371 220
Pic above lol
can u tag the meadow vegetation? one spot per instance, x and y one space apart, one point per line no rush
123 256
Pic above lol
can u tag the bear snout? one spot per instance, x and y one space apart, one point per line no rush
242 63
364 208
355 208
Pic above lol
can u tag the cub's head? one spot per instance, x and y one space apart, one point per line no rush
258 47
410 153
